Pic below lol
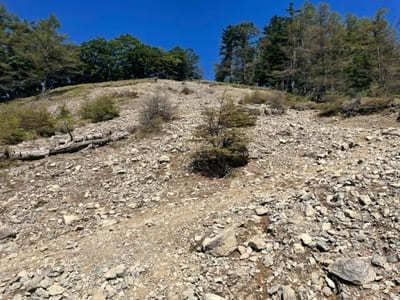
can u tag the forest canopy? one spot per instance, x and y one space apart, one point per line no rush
35 57
315 52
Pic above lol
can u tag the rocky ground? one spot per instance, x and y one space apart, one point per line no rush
315 214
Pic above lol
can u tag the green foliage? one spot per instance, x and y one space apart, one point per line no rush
64 113
21 123
98 110
313 50
34 57
358 106
238 53
223 141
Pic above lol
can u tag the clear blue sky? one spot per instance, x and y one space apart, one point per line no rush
193 24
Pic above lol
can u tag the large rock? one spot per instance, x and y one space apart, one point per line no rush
223 244
353 270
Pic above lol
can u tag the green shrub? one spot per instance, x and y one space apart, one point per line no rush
187 91
64 113
65 120
358 106
20 123
223 141
99 110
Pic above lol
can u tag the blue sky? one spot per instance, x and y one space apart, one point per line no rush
193 24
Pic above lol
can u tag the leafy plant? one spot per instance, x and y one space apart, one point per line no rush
20 123
223 141
99 110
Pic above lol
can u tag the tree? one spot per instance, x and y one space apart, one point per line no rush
187 67
52 60
238 54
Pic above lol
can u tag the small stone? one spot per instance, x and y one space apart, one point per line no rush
68 220
351 214
110 274
257 243
307 240
323 246
189 294
164 159
298 248
288 293
392 259
378 261
33 284
330 283
273 290
45 283
55 290
268 261
326 226
309 211
327 291
120 270
261 211
98 295
365 200
109 223
212 297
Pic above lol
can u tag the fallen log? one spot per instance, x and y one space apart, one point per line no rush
70 147
28 155
75 147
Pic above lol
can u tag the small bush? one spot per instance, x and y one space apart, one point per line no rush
358 106
302 106
186 91
99 110
65 120
277 102
223 142
155 111
21 123
64 113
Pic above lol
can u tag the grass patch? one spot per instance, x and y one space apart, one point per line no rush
98 110
20 123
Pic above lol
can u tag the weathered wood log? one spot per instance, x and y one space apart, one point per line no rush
75 147
70 147
29 154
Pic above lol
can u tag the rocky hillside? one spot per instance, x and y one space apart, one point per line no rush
314 215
